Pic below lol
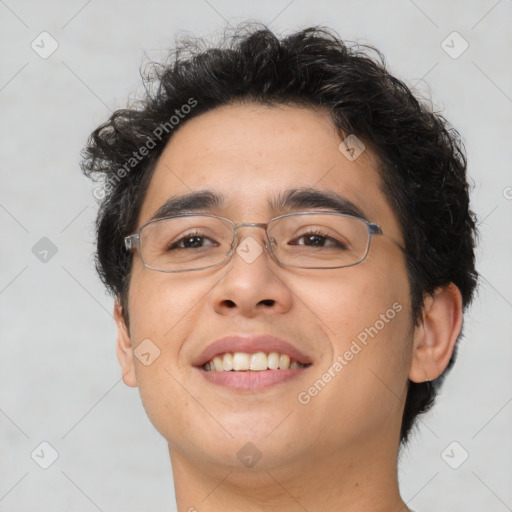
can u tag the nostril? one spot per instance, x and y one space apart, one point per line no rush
268 302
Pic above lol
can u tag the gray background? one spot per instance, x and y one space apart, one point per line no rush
59 377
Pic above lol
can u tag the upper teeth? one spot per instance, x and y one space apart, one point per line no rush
259 361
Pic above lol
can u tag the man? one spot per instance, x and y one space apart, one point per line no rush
286 231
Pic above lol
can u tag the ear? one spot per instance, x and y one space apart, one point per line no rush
124 349
435 337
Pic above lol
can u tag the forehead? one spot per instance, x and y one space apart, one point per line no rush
252 155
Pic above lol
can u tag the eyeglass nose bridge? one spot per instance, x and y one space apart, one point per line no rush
262 225
250 224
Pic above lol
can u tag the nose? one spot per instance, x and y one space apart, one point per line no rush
251 284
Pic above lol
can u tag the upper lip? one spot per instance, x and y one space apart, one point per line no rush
250 344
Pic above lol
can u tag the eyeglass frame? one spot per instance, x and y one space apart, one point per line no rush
133 241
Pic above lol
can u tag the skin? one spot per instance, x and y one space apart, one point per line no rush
342 446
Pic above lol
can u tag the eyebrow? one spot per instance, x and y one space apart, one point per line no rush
295 199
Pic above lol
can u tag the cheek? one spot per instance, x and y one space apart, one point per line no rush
356 298
164 313
368 318
367 311
162 305
161 311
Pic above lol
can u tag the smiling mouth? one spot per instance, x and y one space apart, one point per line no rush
256 362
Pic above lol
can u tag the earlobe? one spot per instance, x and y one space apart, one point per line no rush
124 349
435 337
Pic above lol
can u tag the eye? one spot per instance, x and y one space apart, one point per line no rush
191 241
317 238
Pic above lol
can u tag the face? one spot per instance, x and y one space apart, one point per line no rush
351 325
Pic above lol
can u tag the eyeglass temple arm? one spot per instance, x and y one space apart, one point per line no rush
375 229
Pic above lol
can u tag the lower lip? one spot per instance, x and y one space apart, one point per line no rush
250 380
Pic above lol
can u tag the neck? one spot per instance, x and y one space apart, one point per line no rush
327 480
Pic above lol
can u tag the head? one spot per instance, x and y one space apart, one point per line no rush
248 121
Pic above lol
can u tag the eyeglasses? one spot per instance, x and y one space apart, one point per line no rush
312 240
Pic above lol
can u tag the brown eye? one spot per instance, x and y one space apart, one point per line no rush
191 241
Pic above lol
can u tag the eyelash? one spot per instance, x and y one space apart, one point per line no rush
323 235
188 235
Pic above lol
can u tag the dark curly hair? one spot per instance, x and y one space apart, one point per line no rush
422 159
